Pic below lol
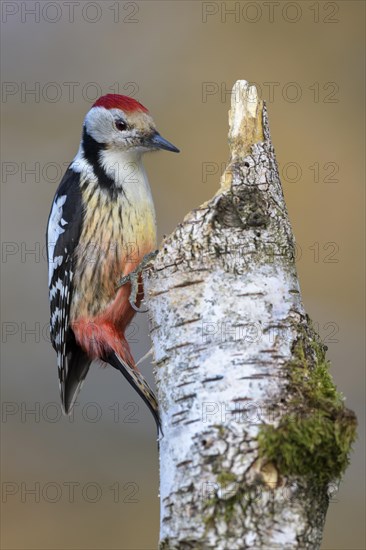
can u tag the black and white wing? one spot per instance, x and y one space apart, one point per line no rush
63 232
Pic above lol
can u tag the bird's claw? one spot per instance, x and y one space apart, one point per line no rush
133 278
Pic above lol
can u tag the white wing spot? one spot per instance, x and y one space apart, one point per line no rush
55 315
58 285
54 231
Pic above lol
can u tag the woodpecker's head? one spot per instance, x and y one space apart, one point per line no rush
120 123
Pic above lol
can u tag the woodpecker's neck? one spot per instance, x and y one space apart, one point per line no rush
111 168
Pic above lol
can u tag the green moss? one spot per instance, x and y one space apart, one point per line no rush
229 508
315 436
225 477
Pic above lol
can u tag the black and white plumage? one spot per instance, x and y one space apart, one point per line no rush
63 233
99 203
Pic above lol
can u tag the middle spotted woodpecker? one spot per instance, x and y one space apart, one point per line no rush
101 227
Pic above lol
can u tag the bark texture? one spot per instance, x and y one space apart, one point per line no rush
226 320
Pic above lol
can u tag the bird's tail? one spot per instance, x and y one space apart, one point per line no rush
73 369
138 382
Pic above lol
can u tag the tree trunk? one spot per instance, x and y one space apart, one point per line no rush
254 429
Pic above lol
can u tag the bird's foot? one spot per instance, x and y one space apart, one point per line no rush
133 278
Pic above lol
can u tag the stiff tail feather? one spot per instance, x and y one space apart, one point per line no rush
138 382
72 377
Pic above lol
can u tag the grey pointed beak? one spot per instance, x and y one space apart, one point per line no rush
158 142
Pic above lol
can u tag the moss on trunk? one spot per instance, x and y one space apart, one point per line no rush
315 435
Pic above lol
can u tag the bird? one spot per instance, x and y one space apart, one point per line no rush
101 233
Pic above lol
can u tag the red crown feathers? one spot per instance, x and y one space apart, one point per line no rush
123 102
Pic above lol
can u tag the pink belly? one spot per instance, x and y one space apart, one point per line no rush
103 333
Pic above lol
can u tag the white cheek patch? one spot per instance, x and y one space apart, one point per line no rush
99 123
55 229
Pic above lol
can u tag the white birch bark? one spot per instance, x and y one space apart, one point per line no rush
225 310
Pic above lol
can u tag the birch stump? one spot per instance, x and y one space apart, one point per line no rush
254 429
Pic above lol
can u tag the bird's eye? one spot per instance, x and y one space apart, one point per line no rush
120 125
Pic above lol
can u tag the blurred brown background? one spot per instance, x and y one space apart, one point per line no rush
95 480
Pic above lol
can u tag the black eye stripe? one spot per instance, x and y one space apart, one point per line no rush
121 125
